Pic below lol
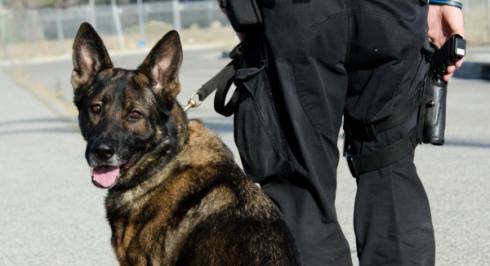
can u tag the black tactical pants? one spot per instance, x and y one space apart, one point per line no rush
328 58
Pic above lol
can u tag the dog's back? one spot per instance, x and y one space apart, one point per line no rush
200 210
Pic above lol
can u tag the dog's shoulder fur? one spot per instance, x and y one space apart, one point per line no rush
191 200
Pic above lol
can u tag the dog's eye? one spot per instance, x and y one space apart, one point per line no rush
96 108
135 115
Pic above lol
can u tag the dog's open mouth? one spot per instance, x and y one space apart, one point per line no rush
106 176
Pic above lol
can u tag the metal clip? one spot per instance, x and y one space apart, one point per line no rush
192 103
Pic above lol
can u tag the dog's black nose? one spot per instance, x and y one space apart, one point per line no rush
103 151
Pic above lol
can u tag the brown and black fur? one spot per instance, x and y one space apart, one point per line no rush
180 199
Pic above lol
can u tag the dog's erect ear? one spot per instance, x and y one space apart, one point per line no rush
162 65
89 57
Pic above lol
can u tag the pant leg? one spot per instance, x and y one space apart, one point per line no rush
318 49
300 33
392 216
394 227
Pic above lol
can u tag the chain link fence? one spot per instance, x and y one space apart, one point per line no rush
40 32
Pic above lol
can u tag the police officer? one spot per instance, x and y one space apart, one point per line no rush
358 59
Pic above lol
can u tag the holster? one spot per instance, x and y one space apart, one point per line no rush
434 107
429 101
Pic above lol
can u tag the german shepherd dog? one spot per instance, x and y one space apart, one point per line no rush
175 194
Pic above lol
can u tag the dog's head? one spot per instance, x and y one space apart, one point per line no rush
125 115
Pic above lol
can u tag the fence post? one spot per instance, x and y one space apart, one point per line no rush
3 28
140 16
59 27
176 11
488 17
92 14
117 23
211 7
32 36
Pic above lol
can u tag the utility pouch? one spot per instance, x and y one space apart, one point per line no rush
244 15
258 135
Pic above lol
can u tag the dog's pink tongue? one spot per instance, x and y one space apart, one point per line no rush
105 176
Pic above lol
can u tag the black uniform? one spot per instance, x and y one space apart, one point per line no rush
326 59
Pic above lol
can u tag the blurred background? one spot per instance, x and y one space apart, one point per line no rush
51 214
37 28
32 28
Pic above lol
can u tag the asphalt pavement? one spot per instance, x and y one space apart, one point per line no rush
51 214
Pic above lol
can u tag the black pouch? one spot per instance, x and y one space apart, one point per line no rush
244 15
258 135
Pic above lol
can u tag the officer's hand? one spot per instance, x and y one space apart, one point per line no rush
445 21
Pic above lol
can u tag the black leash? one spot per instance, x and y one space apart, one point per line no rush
220 83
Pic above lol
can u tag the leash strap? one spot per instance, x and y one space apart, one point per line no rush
224 78
220 83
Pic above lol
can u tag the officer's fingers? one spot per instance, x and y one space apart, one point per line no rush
459 63
447 77
451 69
449 72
